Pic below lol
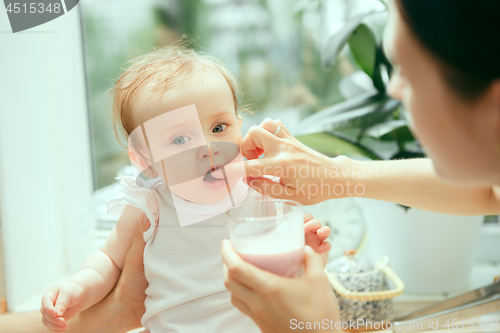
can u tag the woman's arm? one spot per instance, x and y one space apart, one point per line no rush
120 311
414 183
310 177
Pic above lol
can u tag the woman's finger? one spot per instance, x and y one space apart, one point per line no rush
131 287
265 186
271 126
135 255
134 261
247 274
268 187
235 287
284 129
240 305
258 138
255 169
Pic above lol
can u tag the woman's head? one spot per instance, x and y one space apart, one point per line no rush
448 76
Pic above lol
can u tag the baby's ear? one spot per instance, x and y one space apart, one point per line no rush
142 163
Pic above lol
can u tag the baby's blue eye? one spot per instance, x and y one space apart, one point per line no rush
219 128
180 140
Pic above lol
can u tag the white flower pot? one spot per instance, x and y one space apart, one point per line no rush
431 252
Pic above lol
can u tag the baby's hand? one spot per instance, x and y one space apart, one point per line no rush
316 236
60 303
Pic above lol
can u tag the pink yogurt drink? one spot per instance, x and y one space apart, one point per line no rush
286 264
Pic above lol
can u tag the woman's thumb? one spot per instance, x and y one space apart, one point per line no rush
254 168
136 252
263 166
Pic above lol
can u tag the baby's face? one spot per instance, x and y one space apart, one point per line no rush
189 133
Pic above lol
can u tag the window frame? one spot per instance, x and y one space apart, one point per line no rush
45 154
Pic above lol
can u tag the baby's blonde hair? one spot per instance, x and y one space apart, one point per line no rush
163 70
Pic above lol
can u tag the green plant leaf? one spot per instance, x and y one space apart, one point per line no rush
316 121
406 155
333 144
337 42
378 82
363 117
383 59
384 3
346 119
401 134
363 47
390 131
380 114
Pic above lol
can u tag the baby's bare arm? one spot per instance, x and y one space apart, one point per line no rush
95 279
100 271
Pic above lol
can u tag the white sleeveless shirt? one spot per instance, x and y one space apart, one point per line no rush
183 265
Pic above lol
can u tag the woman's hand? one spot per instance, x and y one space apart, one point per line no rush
304 174
277 304
130 291
122 309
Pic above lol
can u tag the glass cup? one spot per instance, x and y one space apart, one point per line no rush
269 234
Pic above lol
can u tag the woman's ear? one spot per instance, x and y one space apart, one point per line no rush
142 163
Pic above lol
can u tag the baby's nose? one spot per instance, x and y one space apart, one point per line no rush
205 151
214 148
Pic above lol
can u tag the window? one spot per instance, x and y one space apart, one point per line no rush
45 157
271 46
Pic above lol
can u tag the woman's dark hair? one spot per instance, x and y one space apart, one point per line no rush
464 35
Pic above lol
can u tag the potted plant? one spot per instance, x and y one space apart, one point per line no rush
371 124
431 252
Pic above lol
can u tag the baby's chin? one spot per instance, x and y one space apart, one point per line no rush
204 192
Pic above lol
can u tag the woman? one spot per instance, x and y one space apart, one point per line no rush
447 74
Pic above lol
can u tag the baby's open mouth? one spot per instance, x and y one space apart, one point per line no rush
214 175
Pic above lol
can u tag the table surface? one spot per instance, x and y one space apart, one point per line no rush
482 275
483 319
494 316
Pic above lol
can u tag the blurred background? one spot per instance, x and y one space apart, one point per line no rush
273 48
317 65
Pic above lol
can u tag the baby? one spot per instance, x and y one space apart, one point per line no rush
178 109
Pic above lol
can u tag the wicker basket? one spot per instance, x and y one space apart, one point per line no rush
362 290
